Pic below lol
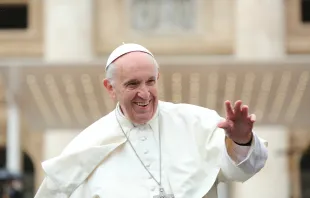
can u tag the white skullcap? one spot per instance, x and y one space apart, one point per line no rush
124 49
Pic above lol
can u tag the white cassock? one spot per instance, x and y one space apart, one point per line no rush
195 153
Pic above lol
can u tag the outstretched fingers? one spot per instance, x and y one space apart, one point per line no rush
229 110
245 111
238 108
252 118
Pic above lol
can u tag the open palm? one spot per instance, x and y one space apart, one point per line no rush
238 124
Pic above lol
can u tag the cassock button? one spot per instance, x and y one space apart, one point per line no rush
147 165
146 152
96 196
143 138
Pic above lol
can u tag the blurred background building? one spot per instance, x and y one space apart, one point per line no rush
53 52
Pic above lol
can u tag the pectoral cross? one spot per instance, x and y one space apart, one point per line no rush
162 194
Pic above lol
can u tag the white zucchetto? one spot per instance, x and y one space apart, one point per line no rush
124 49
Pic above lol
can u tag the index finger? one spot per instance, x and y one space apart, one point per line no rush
229 110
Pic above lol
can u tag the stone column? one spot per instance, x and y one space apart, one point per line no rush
13 137
259 29
68 30
68 38
273 180
13 144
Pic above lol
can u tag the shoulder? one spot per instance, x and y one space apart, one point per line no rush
91 135
189 110
196 120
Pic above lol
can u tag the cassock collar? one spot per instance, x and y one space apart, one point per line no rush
127 125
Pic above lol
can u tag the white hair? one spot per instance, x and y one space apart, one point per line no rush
110 73
111 70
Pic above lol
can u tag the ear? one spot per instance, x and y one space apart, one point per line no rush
107 84
157 75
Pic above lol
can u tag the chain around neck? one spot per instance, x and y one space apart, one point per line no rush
160 172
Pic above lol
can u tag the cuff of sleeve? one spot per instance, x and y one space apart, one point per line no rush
238 154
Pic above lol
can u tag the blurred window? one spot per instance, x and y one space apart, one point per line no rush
305 11
13 16
168 15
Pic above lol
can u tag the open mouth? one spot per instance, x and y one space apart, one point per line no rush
142 104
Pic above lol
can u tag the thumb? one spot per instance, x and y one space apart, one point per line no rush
224 124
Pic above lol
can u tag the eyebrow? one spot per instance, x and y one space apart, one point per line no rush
152 78
131 81
137 81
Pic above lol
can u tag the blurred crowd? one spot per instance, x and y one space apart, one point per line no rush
11 185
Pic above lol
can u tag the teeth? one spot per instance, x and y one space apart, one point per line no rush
142 104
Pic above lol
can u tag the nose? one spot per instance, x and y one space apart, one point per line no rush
144 92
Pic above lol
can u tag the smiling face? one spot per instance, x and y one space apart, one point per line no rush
135 86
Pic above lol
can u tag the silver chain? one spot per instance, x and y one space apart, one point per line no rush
159 183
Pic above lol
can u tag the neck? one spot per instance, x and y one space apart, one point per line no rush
134 123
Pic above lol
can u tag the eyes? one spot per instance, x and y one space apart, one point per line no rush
135 83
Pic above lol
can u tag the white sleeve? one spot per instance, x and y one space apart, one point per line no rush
240 164
237 153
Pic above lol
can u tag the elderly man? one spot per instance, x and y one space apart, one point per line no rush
148 148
